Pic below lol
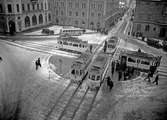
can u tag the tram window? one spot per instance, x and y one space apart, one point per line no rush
89 76
98 78
93 77
131 60
73 72
79 45
65 43
145 62
80 72
60 42
83 46
77 73
70 44
75 45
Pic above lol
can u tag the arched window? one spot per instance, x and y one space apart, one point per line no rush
147 28
34 20
27 21
40 19
49 17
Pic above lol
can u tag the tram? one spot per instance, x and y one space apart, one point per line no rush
138 60
72 31
96 70
72 43
79 67
111 44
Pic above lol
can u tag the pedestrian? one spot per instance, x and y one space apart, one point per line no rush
39 62
119 75
113 67
36 64
91 48
109 83
148 76
1 59
156 79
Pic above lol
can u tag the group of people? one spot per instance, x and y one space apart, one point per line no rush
37 63
149 75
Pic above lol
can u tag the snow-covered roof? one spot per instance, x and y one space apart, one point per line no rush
137 54
72 39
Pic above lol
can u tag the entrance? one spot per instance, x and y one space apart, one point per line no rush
12 28
162 32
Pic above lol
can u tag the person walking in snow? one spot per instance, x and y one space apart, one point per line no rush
39 62
156 79
109 83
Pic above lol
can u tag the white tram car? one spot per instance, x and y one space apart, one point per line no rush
112 44
72 31
138 60
72 43
79 67
96 70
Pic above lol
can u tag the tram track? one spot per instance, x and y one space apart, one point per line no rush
67 97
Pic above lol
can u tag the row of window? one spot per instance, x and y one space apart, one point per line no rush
76 72
83 14
93 77
147 28
72 44
132 60
34 6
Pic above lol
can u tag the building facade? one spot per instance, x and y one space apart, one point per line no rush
90 14
20 15
150 19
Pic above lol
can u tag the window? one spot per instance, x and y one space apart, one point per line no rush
73 72
92 14
57 12
23 7
37 6
99 6
138 27
98 78
75 45
28 7
70 4
83 14
33 6
18 9
131 60
45 6
41 6
77 73
99 14
62 4
147 27
93 5
62 13
65 43
154 29
76 13
80 45
83 5
70 13
145 62
93 77
9 8
1 10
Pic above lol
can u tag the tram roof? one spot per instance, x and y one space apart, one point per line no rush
72 39
100 61
95 70
83 57
138 54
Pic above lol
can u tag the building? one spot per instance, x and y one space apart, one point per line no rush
92 14
150 19
20 15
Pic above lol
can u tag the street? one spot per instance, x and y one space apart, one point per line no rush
40 89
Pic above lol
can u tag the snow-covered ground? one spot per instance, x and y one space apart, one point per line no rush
55 28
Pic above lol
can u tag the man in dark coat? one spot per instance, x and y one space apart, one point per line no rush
109 83
156 79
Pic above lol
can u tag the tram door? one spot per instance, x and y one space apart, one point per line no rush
123 62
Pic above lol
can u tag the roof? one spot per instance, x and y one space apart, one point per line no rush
72 39
81 60
138 54
100 61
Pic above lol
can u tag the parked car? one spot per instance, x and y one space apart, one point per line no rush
47 31
154 42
